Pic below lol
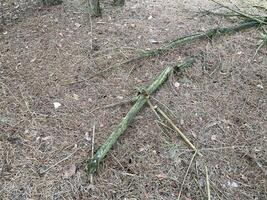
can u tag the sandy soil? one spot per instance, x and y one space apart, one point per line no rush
220 103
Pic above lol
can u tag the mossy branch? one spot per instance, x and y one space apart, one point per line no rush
182 41
93 163
207 34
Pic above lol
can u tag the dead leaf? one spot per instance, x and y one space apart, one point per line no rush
161 176
71 171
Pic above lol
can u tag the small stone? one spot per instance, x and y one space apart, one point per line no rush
153 41
76 97
87 136
77 25
132 25
57 105
177 85
260 86
142 149
232 184
213 137
150 17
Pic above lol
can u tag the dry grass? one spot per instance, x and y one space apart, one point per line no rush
220 104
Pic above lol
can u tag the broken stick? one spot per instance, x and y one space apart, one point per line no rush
93 163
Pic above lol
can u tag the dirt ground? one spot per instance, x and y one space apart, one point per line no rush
48 108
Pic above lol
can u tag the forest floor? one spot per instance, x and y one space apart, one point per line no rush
49 107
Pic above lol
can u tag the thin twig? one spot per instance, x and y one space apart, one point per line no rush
164 105
92 153
240 13
199 187
191 161
66 158
207 183
162 130
153 108
166 126
159 121
258 48
178 130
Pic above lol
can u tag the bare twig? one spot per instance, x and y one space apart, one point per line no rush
153 108
191 161
177 130
207 183
57 163
92 153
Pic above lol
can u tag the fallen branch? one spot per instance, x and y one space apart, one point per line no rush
181 41
242 14
93 163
